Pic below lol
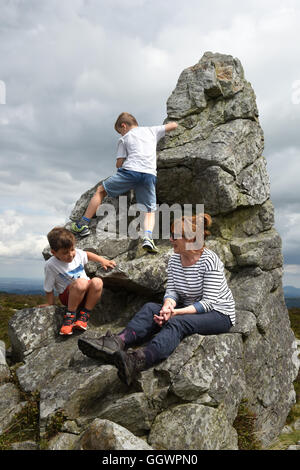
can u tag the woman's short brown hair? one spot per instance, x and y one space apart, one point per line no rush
60 237
125 118
194 228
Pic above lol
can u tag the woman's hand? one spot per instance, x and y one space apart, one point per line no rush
166 312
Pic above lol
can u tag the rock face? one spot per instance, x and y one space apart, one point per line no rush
214 157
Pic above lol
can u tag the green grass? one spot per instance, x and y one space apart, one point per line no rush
294 314
25 425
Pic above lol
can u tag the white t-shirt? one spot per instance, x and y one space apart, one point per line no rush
58 275
138 146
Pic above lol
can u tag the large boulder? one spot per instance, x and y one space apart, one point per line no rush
107 435
214 157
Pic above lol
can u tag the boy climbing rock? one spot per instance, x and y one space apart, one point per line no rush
136 163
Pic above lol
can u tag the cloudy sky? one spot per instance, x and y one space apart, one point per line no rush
69 67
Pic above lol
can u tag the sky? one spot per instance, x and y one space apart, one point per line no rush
68 68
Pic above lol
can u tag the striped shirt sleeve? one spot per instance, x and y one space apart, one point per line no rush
212 286
171 290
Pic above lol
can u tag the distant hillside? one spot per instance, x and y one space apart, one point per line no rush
291 292
16 285
291 303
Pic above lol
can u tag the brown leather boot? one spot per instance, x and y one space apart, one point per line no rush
129 364
102 348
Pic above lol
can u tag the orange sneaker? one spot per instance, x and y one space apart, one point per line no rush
67 325
81 322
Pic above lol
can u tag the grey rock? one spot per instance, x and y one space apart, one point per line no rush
24 445
103 434
4 373
214 76
134 412
4 369
63 441
294 447
287 430
245 323
193 427
296 425
263 250
216 368
31 327
71 427
10 405
2 354
78 392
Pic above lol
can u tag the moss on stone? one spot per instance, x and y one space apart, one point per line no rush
244 425
55 424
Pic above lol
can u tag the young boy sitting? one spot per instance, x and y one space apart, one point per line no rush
136 163
64 271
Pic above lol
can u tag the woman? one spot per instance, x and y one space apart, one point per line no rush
197 300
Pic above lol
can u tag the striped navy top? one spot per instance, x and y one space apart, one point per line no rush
203 284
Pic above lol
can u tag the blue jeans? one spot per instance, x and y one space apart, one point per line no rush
144 185
167 338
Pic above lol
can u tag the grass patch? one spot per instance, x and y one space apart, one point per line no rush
244 425
294 314
285 440
25 426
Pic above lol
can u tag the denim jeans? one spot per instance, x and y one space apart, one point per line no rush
144 185
167 338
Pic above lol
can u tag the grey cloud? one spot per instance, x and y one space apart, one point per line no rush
72 66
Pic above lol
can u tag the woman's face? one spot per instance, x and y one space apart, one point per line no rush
177 240
182 245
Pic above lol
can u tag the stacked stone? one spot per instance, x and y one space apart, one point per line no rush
191 400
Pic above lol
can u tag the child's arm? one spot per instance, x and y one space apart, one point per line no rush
105 263
50 299
171 126
120 162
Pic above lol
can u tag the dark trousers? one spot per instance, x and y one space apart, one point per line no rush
167 338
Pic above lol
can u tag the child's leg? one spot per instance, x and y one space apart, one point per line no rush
92 295
148 242
72 297
82 226
95 202
94 292
149 222
146 197
77 291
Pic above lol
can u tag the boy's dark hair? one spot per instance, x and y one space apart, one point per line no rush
60 237
125 118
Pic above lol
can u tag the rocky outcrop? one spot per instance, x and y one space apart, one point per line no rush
214 157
